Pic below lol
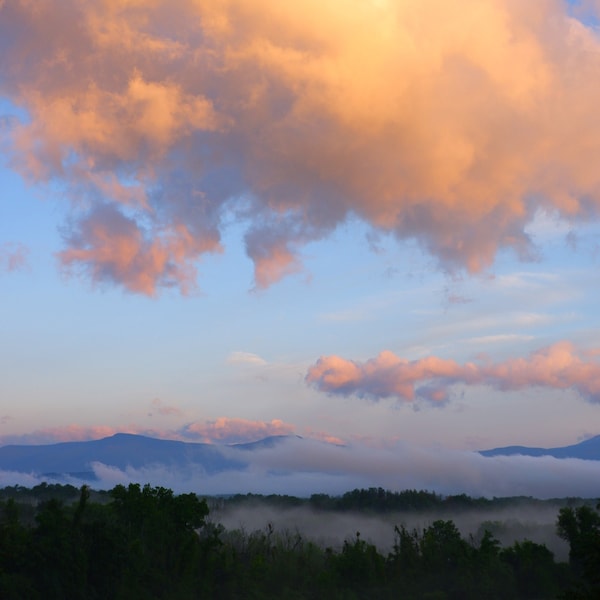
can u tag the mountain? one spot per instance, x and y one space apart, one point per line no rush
124 450
586 450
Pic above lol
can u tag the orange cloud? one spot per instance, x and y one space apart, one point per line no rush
109 246
558 366
227 430
450 123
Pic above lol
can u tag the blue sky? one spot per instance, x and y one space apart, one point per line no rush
78 354
338 261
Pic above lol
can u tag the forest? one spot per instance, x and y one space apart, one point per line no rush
144 542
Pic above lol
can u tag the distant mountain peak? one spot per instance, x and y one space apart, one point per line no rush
588 449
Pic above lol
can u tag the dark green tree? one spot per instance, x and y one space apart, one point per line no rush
581 528
534 569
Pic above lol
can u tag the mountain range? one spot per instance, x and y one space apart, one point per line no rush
123 451
587 450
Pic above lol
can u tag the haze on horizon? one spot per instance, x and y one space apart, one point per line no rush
361 221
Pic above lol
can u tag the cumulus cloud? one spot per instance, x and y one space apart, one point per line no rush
162 121
231 430
108 246
13 256
559 366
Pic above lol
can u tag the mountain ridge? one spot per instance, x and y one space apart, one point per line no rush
127 450
588 449
124 451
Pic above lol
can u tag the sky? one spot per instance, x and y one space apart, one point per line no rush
363 222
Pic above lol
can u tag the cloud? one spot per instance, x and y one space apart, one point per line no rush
246 358
558 366
302 467
454 131
229 430
323 436
75 433
223 430
68 433
166 410
500 338
13 257
108 246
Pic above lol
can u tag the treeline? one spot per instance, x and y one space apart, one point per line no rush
367 500
379 500
145 542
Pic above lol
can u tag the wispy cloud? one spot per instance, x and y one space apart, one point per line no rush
13 256
165 410
159 119
323 436
246 358
559 366
500 338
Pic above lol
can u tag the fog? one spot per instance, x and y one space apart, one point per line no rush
513 523
301 467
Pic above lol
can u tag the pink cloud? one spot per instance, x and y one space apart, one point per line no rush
162 121
272 255
13 257
68 433
79 433
223 430
108 246
231 430
558 366
323 436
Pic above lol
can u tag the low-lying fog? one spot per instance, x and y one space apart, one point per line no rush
536 523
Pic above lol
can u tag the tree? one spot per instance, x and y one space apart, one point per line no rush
14 548
534 569
581 528
159 535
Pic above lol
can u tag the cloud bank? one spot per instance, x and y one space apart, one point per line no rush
223 430
558 366
302 467
448 123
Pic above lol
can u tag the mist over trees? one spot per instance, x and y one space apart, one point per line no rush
147 542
